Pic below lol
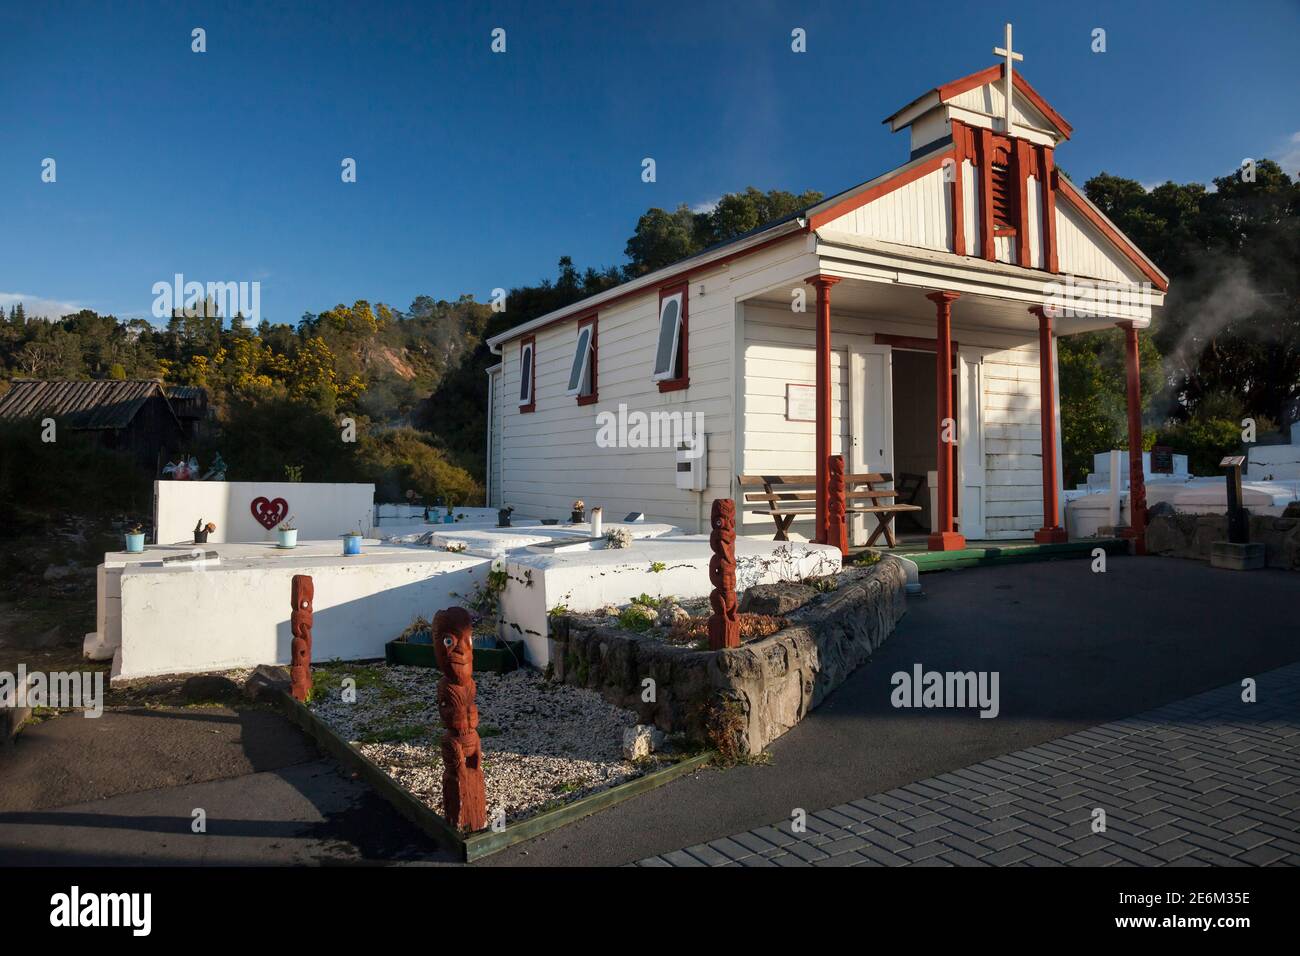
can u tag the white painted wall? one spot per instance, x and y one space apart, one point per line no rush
495 399
182 620
918 214
587 581
1083 251
780 350
549 457
1009 377
320 509
1013 454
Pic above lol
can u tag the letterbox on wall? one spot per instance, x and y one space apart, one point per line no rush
693 463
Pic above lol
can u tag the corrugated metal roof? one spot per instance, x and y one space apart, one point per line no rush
187 391
97 404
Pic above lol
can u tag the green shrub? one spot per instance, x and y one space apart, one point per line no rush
637 617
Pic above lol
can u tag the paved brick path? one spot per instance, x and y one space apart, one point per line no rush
1208 780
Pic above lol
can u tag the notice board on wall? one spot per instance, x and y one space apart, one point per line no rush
800 403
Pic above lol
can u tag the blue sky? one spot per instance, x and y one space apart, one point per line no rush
477 170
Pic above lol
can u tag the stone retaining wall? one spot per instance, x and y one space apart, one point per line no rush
1191 536
770 683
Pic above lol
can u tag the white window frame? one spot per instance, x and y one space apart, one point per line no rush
581 363
672 371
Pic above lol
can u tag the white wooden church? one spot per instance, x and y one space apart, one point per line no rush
907 323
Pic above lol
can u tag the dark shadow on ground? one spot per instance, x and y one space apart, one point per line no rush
1072 648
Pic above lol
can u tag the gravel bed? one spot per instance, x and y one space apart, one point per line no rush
544 743
666 613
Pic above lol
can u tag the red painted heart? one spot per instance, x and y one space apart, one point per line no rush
269 513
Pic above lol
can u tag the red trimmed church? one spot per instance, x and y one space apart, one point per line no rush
907 324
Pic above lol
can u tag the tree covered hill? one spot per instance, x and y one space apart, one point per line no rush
1227 344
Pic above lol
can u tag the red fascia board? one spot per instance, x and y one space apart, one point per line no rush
894 181
1031 94
958 87
1068 191
682 277
992 75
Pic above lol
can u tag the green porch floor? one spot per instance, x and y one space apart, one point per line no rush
982 553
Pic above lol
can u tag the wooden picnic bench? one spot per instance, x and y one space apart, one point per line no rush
786 497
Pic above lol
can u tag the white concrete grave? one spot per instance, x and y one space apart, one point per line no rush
675 565
156 616
175 620
497 541
320 509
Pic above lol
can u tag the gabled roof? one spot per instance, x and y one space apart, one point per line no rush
106 404
942 94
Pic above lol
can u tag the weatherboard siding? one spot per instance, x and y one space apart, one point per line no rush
1082 250
918 214
549 457
779 350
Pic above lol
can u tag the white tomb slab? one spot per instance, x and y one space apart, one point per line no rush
1275 462
158 618
498 541
589 580
176 620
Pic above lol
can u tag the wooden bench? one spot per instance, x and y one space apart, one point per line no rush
786 497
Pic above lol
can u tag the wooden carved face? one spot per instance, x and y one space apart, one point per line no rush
303 595
453 644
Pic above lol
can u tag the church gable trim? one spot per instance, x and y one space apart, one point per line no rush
950 91
845 203
1082 204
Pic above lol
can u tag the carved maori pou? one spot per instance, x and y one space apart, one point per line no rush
303 594
837 532
464 799
724 624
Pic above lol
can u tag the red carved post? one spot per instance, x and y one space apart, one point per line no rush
464 799
724 624
303 592
837 532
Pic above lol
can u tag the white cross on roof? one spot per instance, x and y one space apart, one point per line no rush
1011 56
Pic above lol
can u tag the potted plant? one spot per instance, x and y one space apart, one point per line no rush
134 539
451 509
503 516
202 530
352 542
579 514
288 533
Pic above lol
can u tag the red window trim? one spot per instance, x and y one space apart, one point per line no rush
593 321
683 379
525 342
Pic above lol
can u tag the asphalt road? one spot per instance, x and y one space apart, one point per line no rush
1072 648
122 789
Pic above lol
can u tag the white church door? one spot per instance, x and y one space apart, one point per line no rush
970 443
872 413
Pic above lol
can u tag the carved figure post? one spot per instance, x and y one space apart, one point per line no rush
464 799
303 592
837 533
724 624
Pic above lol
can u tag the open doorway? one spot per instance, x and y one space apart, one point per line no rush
915 453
